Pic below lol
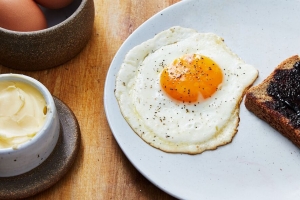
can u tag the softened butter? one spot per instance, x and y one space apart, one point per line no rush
23 112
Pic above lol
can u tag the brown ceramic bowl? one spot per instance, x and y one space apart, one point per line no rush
43 49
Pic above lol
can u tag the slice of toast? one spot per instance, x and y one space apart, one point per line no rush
277 99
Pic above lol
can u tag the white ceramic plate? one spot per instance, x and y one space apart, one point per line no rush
259 163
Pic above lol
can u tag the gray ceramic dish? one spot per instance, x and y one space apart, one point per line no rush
38 50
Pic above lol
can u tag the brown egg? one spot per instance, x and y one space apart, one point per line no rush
54 4
21 15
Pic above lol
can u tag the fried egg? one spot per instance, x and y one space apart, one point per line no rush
181 90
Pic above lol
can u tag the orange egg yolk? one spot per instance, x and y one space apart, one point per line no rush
191 78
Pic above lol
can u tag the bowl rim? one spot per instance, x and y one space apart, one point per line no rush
51 109
74 14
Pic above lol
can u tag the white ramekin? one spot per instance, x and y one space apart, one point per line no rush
32 153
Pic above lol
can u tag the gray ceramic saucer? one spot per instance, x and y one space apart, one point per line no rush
56 165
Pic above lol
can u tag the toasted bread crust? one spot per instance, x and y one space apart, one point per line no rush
257 96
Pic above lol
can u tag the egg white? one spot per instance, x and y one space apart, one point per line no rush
174 126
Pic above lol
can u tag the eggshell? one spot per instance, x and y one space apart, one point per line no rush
21 15
54 4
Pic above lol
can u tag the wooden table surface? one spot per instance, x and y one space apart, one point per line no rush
101 170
